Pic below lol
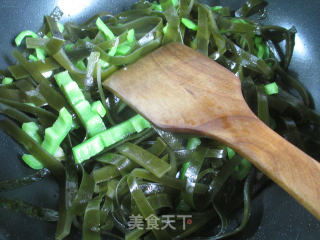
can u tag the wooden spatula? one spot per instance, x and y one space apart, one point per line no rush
180 90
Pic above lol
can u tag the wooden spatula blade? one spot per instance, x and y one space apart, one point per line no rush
178 89
183 79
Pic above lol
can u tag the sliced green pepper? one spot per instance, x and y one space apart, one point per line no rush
7 80
95 145
271 88
55 134
97 107
91 120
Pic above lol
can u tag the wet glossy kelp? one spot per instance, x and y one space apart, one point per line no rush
117 172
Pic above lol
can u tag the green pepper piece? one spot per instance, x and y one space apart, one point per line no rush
97 107
131 57
108 34
68 47
33 58
27 33
189 24
40 54
95 145
88 149
7 80
231 152
32 162
31 128
184 169
73 93
216 8
271 88
52 139
104 29
91 120
193 143
80 65
33 147
123 49
55 134
239 20
130 36
156 6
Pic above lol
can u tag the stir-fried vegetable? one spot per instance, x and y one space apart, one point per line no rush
120 176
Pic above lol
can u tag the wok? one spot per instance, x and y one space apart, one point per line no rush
275 214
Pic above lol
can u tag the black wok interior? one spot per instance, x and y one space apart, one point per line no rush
275 214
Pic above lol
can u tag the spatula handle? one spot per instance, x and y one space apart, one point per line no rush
285 164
